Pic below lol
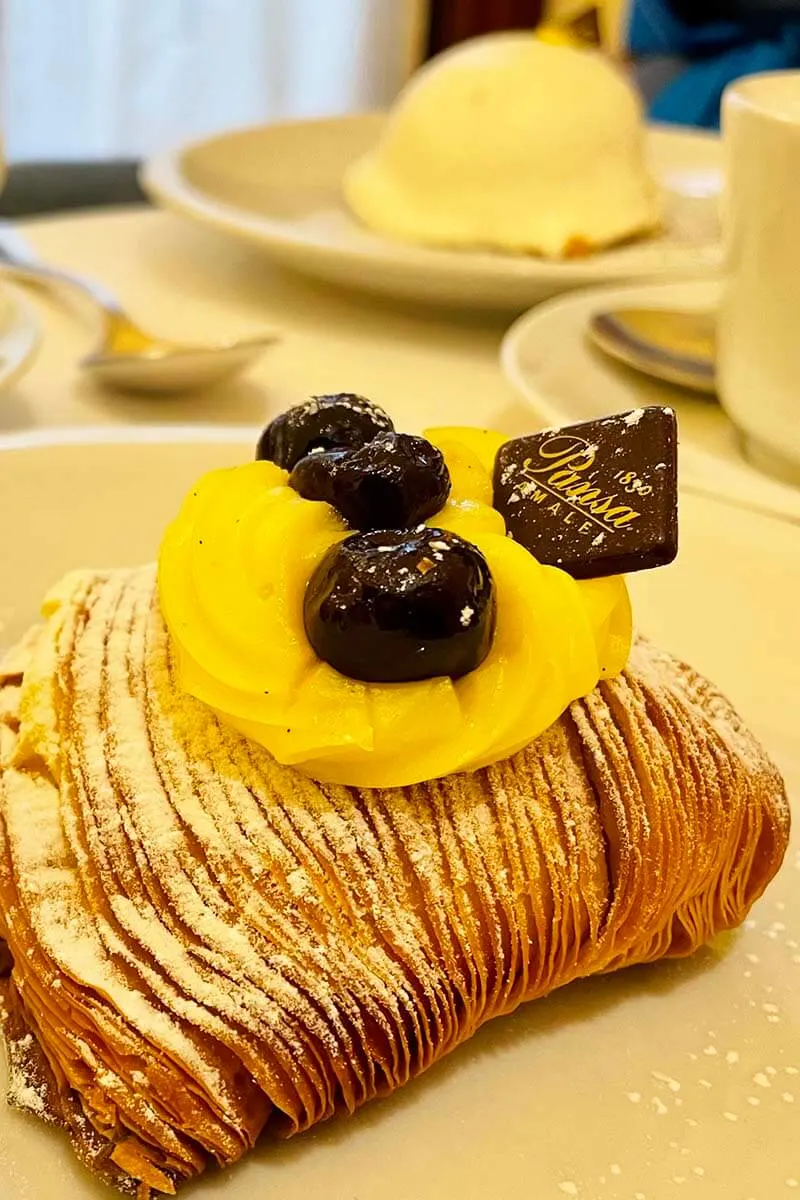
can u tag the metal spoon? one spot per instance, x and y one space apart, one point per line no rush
127 357
679 347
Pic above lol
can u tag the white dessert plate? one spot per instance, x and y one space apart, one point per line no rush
279 187
677 1080
20 334
548 357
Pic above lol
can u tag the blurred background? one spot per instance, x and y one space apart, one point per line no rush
92 86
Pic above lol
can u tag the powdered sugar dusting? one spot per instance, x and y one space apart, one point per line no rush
332 940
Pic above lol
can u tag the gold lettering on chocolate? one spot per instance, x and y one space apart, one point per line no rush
562 479
583 493
626 515
565 450
560 470
602 507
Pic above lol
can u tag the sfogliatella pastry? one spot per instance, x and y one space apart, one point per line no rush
352 771
509 143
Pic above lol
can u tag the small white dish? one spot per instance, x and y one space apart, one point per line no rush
548 357
278 186
20 335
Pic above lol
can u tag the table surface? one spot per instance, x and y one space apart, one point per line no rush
191 283
729 604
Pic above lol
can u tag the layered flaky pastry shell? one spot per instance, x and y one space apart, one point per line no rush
205 943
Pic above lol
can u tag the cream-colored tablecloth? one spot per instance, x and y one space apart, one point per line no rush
186 282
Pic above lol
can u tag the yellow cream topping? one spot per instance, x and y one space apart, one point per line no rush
232 575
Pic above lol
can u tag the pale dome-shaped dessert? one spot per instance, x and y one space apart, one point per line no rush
510 143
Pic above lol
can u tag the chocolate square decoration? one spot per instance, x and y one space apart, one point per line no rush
599 498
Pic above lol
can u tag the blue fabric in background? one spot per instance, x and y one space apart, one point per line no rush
715 54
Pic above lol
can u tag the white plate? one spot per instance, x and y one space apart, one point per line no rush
609 1088
278 186
547 356
20 334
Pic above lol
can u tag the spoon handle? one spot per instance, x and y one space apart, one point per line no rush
18 262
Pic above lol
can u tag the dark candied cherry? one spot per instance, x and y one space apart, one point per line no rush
394 482
341 422
393 606
313 475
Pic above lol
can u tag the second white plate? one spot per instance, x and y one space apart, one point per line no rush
279 187
547 356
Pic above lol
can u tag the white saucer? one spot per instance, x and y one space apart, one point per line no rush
547 356
278 186
20 334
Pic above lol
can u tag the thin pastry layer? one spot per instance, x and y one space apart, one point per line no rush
205 942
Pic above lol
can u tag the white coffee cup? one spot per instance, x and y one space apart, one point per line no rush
759 316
